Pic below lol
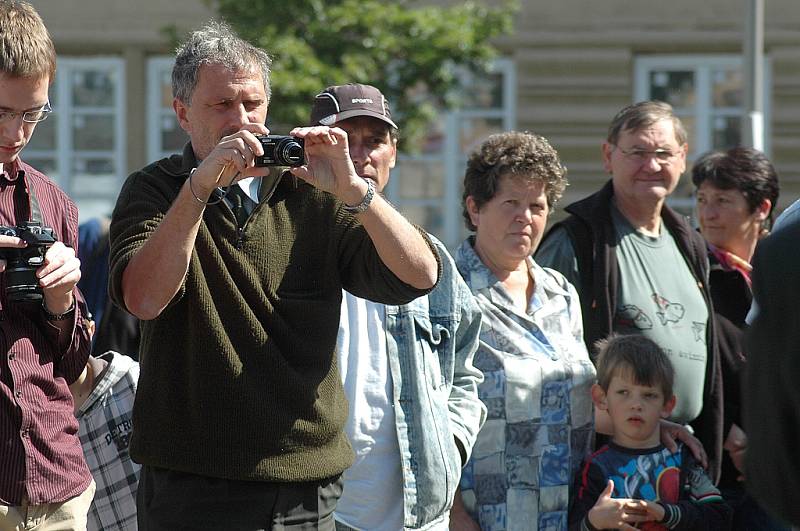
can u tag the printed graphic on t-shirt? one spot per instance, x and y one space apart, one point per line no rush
631 316
668 312
654 477
699 330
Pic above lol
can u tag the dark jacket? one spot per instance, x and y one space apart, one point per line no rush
732 298
772 406
592 232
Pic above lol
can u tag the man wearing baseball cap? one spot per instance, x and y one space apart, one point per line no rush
407 370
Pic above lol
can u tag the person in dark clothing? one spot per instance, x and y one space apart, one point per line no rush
736 192
771 392
115 329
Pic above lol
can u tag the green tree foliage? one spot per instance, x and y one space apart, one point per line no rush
411 52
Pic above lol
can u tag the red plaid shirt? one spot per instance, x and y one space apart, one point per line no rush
40 453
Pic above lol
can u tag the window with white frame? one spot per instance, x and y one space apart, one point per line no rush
164 135
427 187
81 145
707 93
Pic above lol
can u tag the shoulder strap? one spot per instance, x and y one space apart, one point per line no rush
25 198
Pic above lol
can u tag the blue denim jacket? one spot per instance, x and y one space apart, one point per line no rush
431 342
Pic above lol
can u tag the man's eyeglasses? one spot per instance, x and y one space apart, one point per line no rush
640 156
30 117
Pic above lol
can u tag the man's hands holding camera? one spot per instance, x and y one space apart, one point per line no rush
328 164
57 276
233 154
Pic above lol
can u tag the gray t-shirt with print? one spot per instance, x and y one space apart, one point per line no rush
658 297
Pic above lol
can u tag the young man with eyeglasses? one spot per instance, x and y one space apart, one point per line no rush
44 480
640 268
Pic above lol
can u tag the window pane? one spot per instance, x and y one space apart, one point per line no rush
674 87
428 217
433 142
166 88
484 93
475 130
94 177
727 88
727 131
419 179
93 88
173 138
46 165
689 123
45 135
93 167
92 132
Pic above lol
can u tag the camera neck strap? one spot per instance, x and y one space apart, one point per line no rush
26 205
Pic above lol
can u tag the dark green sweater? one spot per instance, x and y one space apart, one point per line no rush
238 377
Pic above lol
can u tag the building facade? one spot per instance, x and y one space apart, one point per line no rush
563 73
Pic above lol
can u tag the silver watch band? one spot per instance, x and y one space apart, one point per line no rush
364 204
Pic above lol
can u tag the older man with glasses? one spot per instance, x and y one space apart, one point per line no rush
639 267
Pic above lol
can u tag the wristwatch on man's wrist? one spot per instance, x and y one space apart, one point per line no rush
364 204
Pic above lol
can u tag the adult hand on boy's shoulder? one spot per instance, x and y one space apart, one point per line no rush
672 432
620 513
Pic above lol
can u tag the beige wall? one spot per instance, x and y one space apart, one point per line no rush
132 29
100 26
575 67
574 62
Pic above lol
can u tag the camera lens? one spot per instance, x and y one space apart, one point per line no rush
22 284
291 153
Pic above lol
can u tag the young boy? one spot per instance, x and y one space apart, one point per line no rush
634 482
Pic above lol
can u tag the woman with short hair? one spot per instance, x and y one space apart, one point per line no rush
736 193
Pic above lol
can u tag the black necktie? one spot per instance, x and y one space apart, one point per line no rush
238 201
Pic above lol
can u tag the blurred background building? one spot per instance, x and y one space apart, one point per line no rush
563 73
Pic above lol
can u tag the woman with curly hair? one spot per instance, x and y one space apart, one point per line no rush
537 371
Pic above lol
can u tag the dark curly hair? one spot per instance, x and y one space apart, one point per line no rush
521 155
741 168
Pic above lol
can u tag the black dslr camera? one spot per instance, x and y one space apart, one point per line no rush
281 151
22 263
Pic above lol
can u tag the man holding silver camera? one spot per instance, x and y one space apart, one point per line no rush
239 411
43 476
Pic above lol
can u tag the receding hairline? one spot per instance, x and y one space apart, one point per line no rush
640 128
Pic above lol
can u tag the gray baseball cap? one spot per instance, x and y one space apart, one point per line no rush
341 102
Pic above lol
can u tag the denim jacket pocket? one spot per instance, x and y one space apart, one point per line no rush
441 460
434 338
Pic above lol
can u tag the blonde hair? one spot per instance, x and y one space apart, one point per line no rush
26 49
